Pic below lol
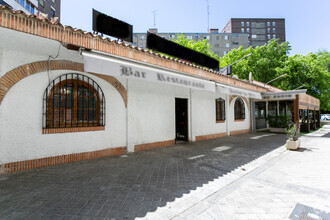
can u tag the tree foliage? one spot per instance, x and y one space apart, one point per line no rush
271 60
267 62
201 46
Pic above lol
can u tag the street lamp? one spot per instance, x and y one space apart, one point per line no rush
276 78
227 69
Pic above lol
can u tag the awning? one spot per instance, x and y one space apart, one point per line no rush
95 62
291 94
236 91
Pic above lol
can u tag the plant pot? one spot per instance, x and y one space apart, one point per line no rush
292 145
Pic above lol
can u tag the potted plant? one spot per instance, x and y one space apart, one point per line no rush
293 133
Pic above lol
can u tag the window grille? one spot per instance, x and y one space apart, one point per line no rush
73 100
239 109
220 109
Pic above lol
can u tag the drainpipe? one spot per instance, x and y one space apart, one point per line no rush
227 114
191 118
127 141
267 124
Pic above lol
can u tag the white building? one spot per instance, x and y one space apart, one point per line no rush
67 95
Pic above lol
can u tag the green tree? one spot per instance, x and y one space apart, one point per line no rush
271 60
309 71
263 62
201 46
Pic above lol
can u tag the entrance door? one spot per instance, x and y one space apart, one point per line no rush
181 119
260 115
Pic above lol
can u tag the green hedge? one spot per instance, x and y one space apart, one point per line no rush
279 121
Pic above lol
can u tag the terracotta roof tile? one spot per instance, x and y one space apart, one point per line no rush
57 24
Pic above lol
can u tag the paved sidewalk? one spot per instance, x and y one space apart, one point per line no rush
269 191
250 176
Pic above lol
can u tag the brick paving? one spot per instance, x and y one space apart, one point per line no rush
270 190
133 185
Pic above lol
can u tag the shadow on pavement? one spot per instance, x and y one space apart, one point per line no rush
126 187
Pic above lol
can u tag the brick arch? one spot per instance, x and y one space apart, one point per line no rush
245 99
12 77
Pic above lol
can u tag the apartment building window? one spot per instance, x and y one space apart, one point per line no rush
268 36
226 37
196 36
268 30
141 45
207 37
235 43
142 37
227 45
274 23
52 12
172 35
235 36
218 38
225 52
220 109
274 30
242 24
134 44
249 43
247 23
268 23
254 36
189 37
274 36
242 30
248 30
42 3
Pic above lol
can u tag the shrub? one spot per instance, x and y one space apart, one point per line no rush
293 132
279 121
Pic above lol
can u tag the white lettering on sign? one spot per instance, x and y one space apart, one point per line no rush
113 66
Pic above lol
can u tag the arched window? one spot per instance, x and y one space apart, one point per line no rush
73 100
220 109
239 109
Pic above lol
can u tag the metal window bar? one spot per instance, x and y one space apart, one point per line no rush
65 98
88 103
49 107
60 102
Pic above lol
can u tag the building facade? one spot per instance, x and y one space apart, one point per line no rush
69 95
50 7
221 43
260 30
28 6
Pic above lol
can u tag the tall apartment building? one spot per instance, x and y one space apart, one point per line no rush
221 42
260 30
27 6
50 7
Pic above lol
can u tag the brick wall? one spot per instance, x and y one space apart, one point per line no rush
12 77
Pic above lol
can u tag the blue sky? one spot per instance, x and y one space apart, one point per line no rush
307 22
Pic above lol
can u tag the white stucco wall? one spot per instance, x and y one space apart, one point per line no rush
238 125
204 113
21 135
150 112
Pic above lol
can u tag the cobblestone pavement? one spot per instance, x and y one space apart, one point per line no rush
134 185
269 191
